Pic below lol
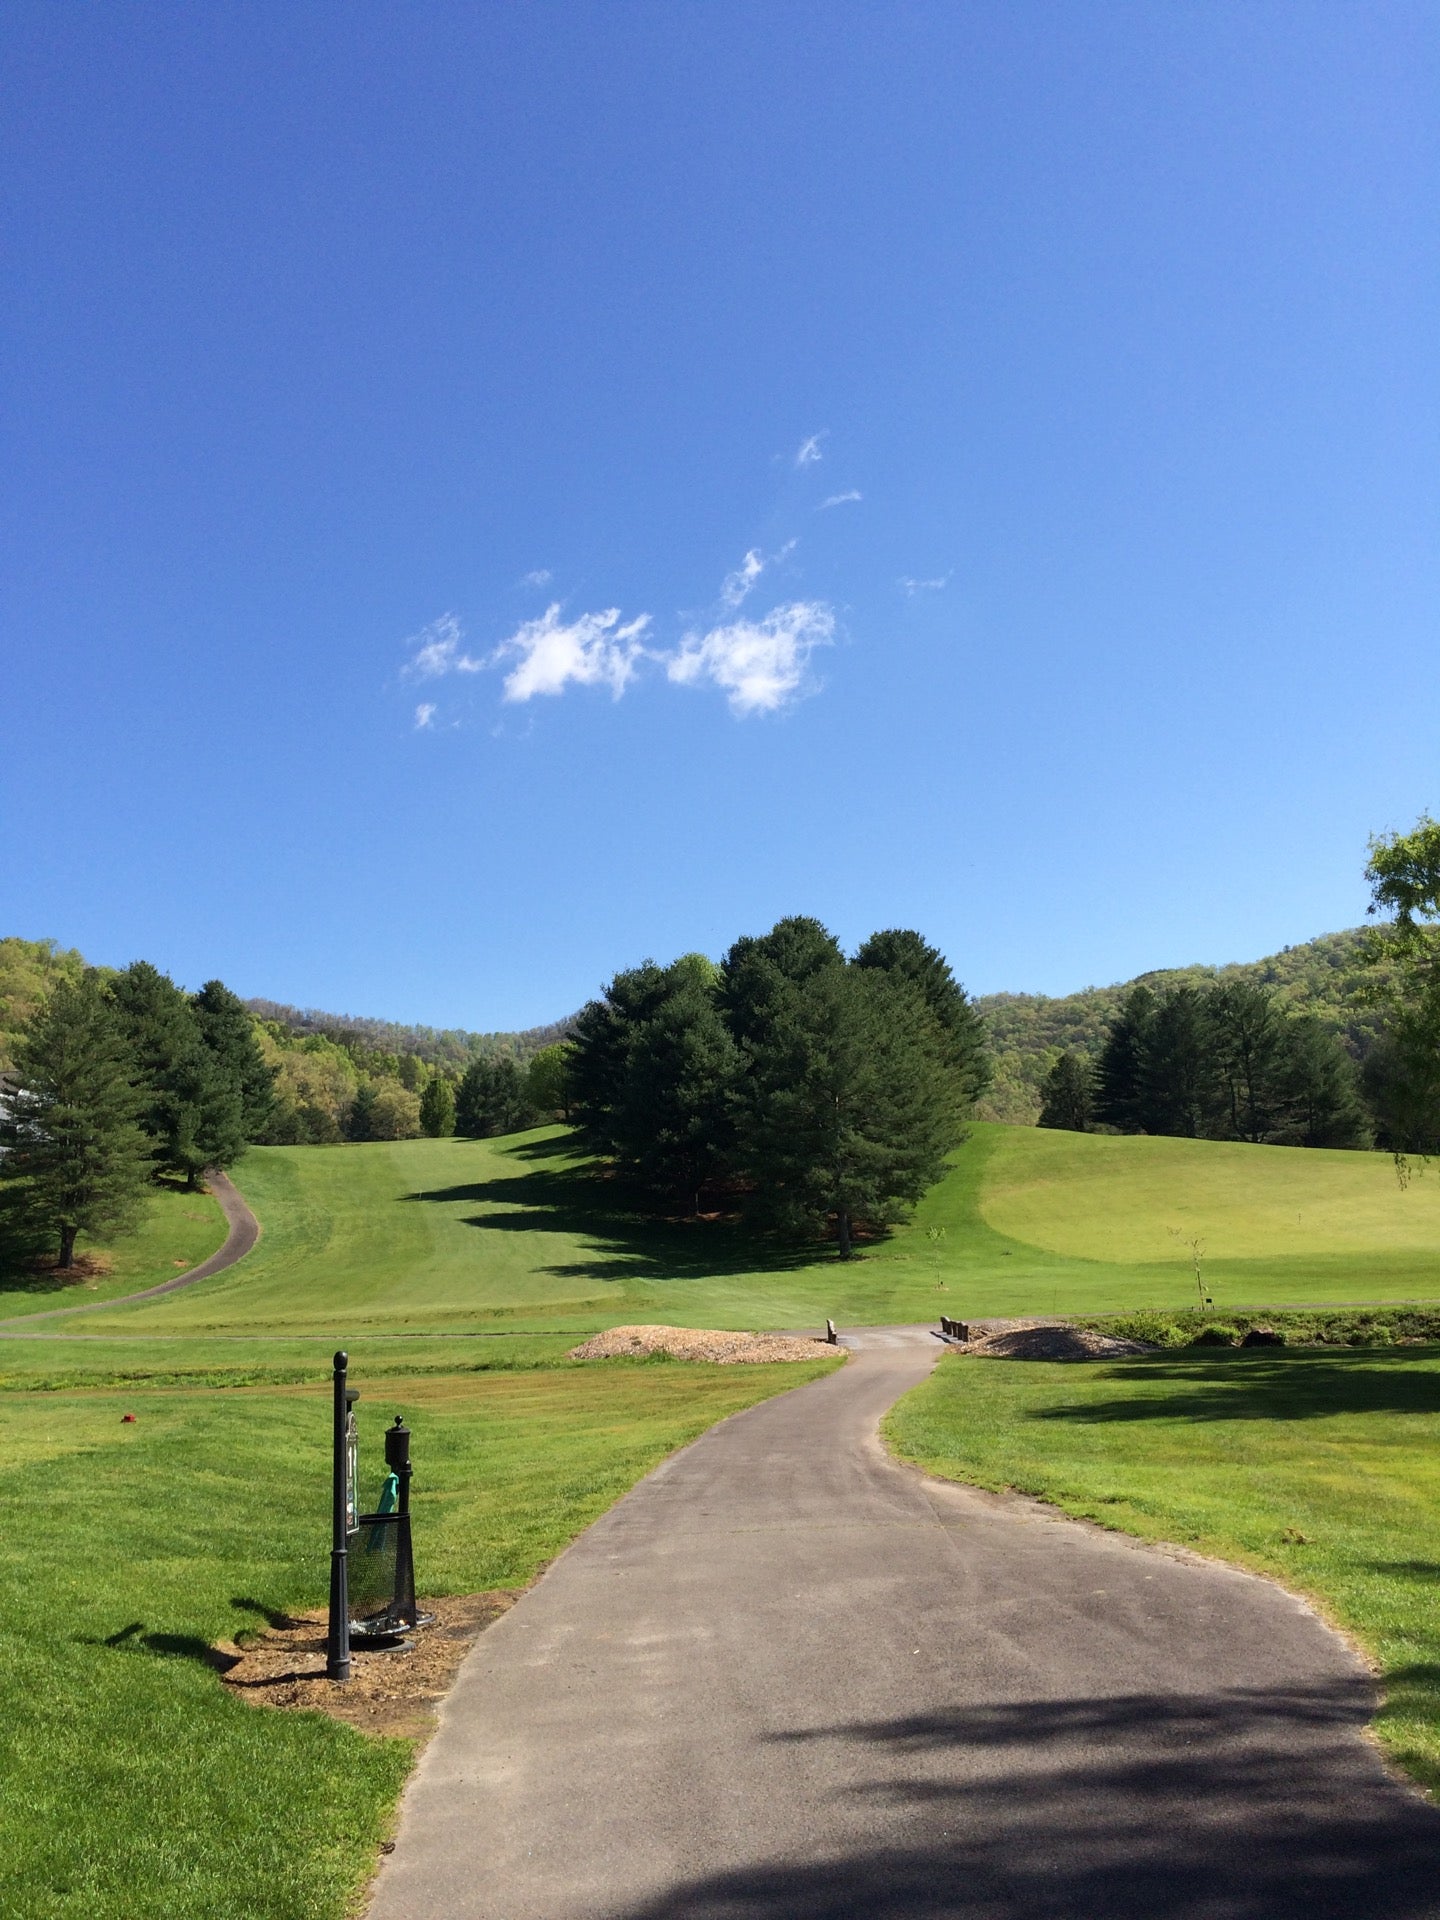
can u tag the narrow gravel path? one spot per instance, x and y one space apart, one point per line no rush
787 1678
244 1232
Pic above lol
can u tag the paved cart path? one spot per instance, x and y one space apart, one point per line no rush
788 1679
244 1231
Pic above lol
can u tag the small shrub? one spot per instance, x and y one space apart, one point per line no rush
1263 1337
1217 1335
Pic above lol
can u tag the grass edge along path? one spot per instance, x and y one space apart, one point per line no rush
1318 1470
134 1786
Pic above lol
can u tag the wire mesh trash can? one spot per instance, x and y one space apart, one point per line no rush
382 1577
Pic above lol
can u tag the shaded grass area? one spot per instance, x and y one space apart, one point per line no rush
135 1788
179 1230
1321 1469
432 1237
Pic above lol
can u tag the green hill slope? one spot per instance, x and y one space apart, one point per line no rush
1027 1029
422 1240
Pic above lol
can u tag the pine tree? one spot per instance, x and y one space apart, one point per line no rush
672 1121
73 1153
1178 1089
906 955
192 1110
601 1040
437 1108
227 1027
1246 1046
1118 1093
1318 1089
845 1111
1068 1094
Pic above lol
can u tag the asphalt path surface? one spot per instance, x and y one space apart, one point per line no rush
244 1231
787 1678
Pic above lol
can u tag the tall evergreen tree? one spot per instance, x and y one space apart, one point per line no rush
846 1111
1247 1047
1319 1092
193 1110
599 1060
1177 1073
437 1108
1068 1094
673 1122
1118 1098
908 956
227 1028
74 1156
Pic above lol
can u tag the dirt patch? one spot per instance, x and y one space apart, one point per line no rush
1053 1343
387 1693
700 1343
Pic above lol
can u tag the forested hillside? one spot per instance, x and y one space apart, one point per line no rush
436 1046
1028 1029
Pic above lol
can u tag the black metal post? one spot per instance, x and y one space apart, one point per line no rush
337 1640
397 1458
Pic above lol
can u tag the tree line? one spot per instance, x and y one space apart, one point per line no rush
1217 1063
819 1093
116 1079
113 1079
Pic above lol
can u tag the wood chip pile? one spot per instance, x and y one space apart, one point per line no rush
700 1343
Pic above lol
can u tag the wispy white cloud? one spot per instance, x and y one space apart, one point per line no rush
438 651
591 650
735 586
808 453
840 499
537 577
760 665
912 587
425 714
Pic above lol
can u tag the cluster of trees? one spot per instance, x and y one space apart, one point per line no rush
329 1089
116 1078
824 1091
109 1079
1216 1063
1026 1030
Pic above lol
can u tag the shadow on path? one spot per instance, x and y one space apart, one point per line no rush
1140 1807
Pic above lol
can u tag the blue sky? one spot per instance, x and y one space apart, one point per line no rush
498 492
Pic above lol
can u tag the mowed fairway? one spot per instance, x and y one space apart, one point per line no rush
1319 1469
440 1237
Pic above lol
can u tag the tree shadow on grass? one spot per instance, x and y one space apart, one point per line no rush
627 1244
1265 1385
182 1646
1252 1803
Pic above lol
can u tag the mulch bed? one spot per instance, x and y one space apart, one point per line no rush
394 1693
700 1343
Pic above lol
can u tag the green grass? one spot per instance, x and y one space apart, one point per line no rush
179 1230
458 1273
135 1787
434 1237
1320 1469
